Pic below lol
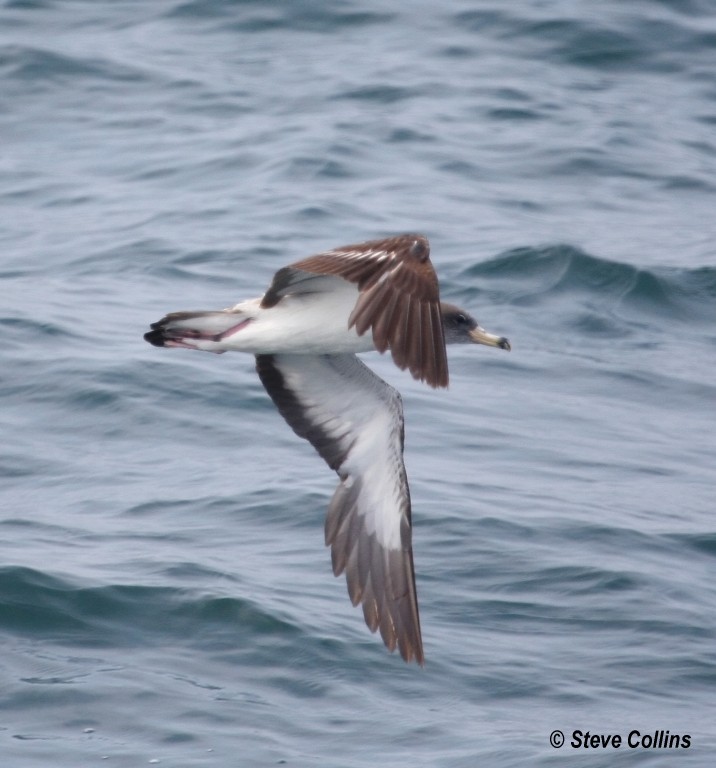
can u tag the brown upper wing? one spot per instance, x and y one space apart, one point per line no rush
399 298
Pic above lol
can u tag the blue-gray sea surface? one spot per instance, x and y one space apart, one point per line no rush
165 594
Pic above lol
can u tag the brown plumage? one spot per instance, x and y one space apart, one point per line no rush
399 299
305 333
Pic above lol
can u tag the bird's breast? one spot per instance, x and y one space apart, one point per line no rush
303 324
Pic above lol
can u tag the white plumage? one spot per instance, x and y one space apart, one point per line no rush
305 331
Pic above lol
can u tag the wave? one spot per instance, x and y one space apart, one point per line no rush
41 65
648 40
35 603
534 276
285 14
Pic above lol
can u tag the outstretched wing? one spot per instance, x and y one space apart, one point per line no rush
398 298
355 422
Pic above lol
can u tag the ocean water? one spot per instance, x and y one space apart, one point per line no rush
165 595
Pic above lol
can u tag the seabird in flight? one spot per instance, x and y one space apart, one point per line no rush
305 332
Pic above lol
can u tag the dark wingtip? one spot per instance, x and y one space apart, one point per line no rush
435 379
155 337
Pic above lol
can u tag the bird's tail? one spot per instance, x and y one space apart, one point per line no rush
197 330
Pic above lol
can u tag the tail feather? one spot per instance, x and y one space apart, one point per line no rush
196 330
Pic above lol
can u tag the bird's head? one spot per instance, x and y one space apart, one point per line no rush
462 328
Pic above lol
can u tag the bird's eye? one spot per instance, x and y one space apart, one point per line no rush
461 318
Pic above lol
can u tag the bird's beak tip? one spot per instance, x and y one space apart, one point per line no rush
481 336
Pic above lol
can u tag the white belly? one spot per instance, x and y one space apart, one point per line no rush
304 324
